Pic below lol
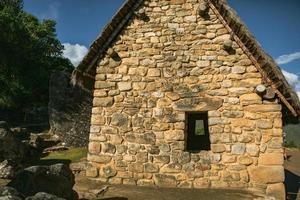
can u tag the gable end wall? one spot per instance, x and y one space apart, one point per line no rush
170 65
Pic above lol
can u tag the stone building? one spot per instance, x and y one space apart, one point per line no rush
184 96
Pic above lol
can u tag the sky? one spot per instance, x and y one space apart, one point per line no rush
274 23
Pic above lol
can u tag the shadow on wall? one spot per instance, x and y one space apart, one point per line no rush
69 110
292 185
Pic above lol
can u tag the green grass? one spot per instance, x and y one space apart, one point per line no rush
73 155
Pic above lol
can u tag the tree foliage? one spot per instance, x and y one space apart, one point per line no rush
29 53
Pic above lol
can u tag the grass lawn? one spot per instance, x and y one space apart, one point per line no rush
73 155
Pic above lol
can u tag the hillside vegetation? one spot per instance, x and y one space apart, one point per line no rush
29 53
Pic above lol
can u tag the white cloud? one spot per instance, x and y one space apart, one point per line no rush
75 52
284 59
293 80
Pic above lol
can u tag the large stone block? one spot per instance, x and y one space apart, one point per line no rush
263 108
197 104
248 99
266 174
99 158
271 159
276 190
164 180
104 85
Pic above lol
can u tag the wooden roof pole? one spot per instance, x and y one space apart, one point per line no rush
251 57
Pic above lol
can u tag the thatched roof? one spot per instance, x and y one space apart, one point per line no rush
84 73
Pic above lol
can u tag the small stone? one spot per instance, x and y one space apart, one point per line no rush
132 61
238 149
190 19
173 96
174 135
233 113
116 139
94 147
162 159
119 119
202 183
123 69
145 182
108 172
264 124
252 149
218 148
245 160
142 157
171 168
98 119
163 102
124 86
202 63
238 70
92 172
108 148
151 168
113 92
103 102
152 72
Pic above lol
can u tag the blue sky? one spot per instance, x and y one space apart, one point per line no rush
275 24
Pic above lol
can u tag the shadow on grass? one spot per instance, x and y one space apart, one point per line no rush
292 185
48 162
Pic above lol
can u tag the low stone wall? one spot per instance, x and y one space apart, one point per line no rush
69 110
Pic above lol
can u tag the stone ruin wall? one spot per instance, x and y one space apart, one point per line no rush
169 65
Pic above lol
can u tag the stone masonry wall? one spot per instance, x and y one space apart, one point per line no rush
167 66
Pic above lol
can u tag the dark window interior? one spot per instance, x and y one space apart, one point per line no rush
197 132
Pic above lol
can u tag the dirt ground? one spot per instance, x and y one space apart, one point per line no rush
122 192
292 174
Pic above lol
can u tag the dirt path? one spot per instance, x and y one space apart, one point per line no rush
292 174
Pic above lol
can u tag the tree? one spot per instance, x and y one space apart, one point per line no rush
29 53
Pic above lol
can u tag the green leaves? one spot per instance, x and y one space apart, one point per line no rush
29 53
